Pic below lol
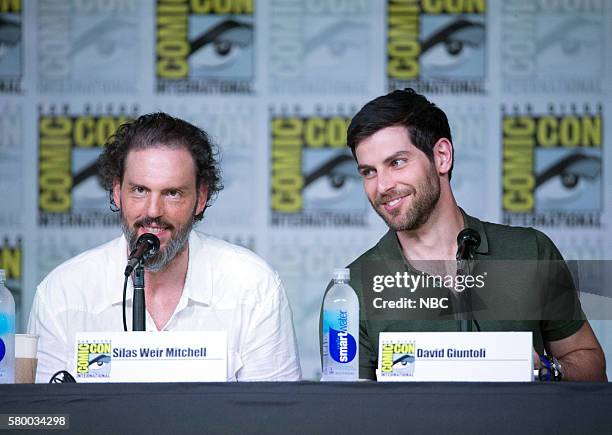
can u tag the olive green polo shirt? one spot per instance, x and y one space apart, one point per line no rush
510 299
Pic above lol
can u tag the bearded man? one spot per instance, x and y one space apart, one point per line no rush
403 147
161 174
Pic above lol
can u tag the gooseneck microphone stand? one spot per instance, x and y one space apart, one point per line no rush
138 303
147 245
468 240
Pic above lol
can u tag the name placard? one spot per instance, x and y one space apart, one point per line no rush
455 356
166 356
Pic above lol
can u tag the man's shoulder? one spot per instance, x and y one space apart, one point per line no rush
514 242
377 252
227 254
86 269
91 258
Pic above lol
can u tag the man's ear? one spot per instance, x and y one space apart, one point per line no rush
443 154
117 192
202 198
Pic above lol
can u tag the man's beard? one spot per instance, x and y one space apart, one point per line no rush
178 240
424 200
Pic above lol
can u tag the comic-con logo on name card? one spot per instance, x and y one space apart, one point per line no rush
314 46
205 46
553 46
94 358
436 46
11 260
552 166
397 358
69 143
88 46
11 46
314 179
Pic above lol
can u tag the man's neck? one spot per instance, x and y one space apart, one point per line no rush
163 289
173 275
436 239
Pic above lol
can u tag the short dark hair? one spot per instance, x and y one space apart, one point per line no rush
161 129
426 123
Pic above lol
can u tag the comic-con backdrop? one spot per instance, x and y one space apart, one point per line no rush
526 84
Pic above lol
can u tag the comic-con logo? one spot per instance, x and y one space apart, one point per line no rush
94 359
11 52
552 167
397 359
88 46
314 179
436 46
69 145
546 46
11 260
205 46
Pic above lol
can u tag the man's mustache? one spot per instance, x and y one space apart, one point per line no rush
391 195
146 222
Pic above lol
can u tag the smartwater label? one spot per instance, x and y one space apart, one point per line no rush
342 345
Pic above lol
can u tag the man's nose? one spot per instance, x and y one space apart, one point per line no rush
385 181
155 206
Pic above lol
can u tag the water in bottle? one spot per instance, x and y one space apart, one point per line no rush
7 333
341 330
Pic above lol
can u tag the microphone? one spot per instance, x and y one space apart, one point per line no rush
468 240
147 245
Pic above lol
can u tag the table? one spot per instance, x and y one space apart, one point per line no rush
308 407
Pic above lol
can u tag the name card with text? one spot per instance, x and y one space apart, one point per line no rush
176 356
455 356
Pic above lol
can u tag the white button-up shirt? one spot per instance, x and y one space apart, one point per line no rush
227 288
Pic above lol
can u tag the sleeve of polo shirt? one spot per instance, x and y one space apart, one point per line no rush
563 315
52 353
270 351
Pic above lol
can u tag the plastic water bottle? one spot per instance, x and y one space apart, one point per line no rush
7 333
341 330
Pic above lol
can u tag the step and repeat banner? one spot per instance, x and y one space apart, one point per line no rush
526 85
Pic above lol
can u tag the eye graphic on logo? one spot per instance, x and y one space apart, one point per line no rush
99 361
403 360
10 34
333 179
221 44
103 42
570 38
335 42
569 177
452 45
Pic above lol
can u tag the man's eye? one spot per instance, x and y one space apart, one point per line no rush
366 173
138 189
397 162
174 193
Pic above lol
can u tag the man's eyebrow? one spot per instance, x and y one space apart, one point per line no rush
387 160
396 156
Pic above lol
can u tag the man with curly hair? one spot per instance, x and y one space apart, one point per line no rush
161 174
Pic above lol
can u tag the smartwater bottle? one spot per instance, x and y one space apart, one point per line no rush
341 330
7 333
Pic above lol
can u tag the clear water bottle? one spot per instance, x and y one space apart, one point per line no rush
7 333
341 330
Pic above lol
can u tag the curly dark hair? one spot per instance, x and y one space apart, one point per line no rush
426 123
156 129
